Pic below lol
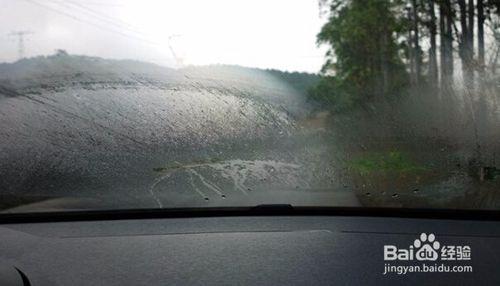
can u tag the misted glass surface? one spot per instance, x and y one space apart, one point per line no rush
108 104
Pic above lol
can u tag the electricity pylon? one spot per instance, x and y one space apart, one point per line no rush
20 41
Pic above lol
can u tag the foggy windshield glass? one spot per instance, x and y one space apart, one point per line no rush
111 104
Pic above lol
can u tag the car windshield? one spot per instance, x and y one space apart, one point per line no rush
109 104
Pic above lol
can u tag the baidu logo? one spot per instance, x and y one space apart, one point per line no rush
427 248
426 254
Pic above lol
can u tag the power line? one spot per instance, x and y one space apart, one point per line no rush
104 18
125 25
100 16
102 4
98 26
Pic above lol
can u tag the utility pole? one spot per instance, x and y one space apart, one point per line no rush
20 35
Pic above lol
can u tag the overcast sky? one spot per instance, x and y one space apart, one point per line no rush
277 34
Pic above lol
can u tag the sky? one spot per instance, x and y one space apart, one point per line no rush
278 34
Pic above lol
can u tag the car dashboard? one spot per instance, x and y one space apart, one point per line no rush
238 250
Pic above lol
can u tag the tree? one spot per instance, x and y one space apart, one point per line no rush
464 49
481 18
466 43
446 18
376 46
416 41
433 67
364 55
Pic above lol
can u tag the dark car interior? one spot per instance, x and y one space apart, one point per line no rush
272 245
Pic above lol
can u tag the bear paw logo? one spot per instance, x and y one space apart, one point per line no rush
427 246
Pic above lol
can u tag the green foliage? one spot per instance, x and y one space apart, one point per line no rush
300 81
364 61
333 94
383 162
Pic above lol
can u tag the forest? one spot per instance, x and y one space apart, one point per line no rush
378 48
411 89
